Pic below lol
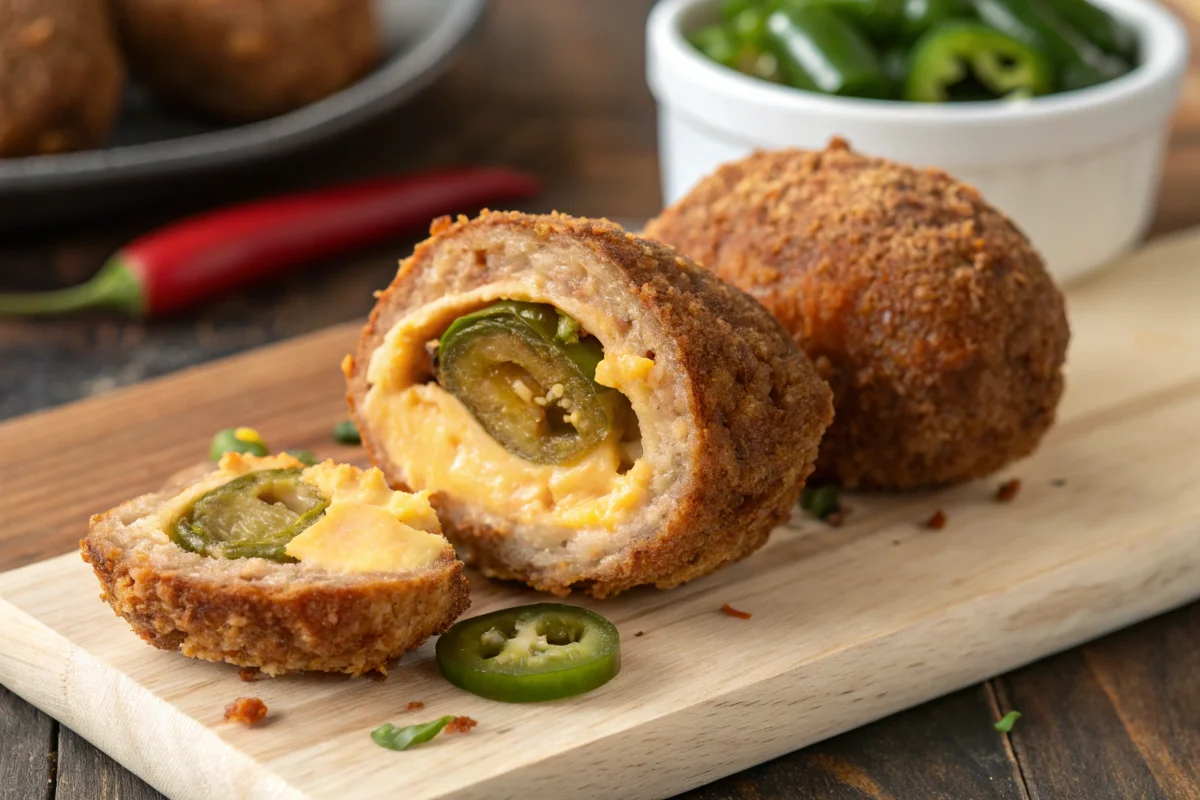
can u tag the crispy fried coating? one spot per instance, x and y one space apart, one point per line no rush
753 400
278 618
929 313
243 61
61 76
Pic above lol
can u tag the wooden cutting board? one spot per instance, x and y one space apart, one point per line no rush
849 624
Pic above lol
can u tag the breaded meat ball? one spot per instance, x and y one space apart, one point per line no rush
591 411
268 563
927 310
243 60
61 76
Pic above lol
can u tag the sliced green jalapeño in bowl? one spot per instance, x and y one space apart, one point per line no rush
527 374
531 653
252 516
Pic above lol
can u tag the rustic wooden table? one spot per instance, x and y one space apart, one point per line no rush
557 87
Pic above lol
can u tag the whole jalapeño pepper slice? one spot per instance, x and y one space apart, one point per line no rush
531 653
967 61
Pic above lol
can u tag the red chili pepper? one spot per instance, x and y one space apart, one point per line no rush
189 261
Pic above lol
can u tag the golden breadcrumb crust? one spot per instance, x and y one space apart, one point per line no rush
343 623
244 61
927 310
759 406
61 76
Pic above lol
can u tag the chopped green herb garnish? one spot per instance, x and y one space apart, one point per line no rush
393 738
301 455
1007 721
346 432
820 501
237 440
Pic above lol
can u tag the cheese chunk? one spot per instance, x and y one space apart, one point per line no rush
624 371
347 483
367 527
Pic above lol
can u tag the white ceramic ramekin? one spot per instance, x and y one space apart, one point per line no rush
1078 172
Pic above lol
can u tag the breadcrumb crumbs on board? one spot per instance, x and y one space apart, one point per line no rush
460 725
937 521
248 674
415 705
248 710
1008 491
836 519
733 612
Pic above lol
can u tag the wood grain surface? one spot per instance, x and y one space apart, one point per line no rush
1103 533
1134 718
555 86
27 768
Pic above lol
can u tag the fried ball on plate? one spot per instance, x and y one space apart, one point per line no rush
591 410
271 564
61 76
927 310
242 60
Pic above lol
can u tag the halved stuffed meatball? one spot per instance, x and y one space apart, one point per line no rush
590 410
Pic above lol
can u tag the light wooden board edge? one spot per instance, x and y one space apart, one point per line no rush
144 733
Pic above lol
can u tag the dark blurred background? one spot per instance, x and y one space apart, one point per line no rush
555 88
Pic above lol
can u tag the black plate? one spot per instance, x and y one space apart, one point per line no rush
154 140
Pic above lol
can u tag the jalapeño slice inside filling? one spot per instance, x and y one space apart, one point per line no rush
527 372
253 516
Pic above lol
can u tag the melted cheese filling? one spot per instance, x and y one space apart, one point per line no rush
441 447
